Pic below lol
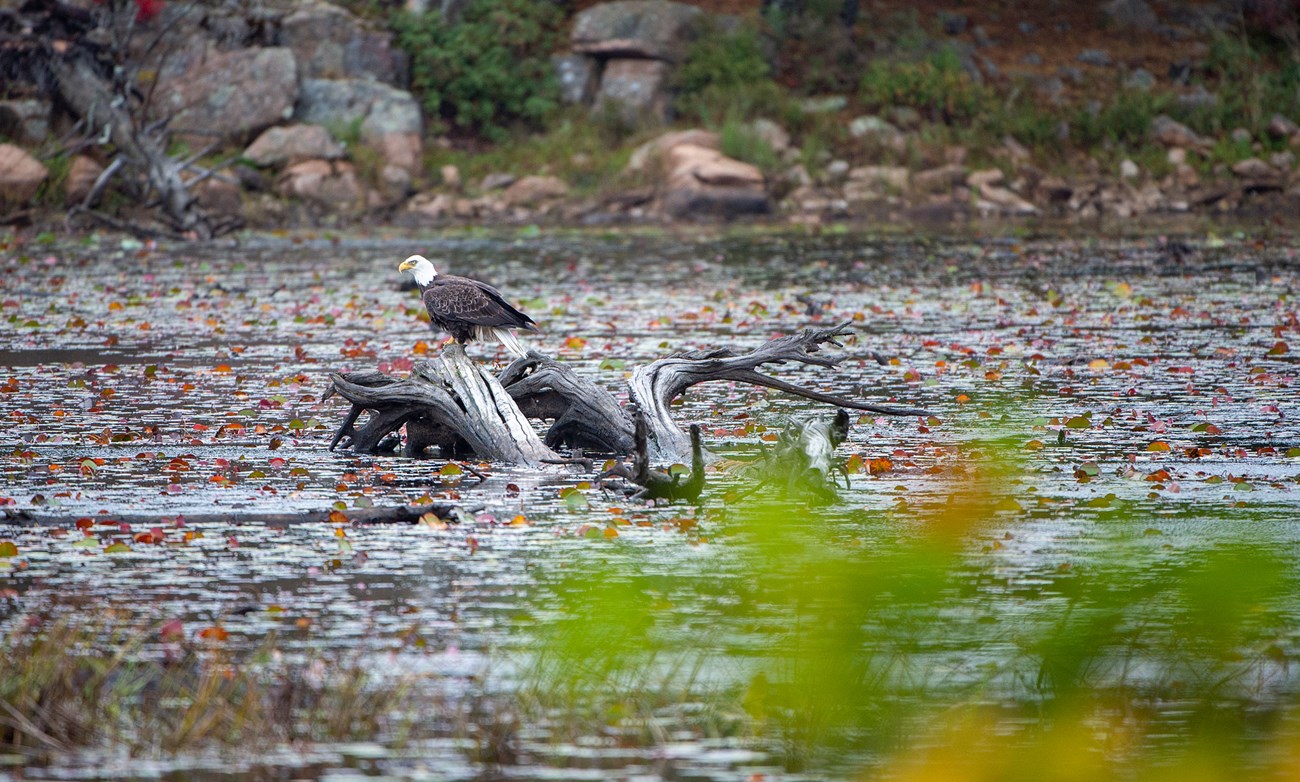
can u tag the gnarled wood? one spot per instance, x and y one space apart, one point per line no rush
450 401
441 402
654 387
586 415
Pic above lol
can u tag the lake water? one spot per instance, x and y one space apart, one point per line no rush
1109 414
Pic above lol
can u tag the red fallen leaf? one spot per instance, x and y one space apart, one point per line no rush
85 522
1281 348
879 465
172 630
214 633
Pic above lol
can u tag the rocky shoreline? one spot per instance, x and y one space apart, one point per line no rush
302 119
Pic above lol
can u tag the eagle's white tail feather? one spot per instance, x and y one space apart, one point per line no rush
505 336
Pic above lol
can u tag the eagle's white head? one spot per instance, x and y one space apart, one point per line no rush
420 268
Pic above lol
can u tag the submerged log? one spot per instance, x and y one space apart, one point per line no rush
401 514
452 403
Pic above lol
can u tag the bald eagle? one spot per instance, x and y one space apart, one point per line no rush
467 309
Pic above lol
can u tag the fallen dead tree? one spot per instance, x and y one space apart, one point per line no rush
455 405
80 55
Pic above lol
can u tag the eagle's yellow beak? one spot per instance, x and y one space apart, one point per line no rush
407 265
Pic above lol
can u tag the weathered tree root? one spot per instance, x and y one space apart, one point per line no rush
654 387
452 403
657 484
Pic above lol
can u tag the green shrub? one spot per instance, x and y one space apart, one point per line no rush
818 51
738 140
576 147
1254 80
936 86
1124 122
489 69
726 76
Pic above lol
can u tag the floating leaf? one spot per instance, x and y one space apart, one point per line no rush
1158 445
214 633
1278 349
118 548
8 549
1078 422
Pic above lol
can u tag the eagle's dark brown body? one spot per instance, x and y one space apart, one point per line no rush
461 306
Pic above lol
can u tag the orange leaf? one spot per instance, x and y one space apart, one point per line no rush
1158 445
214 633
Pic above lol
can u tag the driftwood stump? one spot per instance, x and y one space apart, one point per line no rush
450 402
453 403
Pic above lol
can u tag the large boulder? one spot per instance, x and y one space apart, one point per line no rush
876 183
389 118
702 182
1130 15
534 190
576 75
25 120
83 173
291 143
656 147
634 89
648 29
228 96
21 175
328 42
1171 133
329 184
